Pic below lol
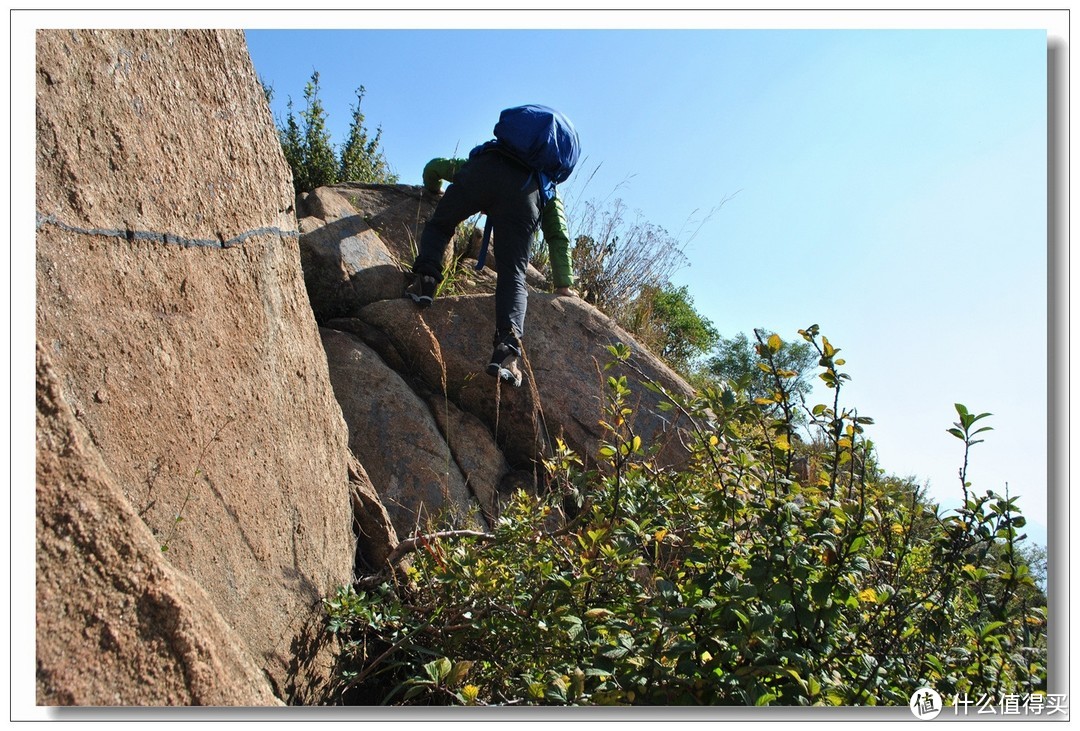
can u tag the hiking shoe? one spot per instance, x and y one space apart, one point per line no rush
422 290
504 364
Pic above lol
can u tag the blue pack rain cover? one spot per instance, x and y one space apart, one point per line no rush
542 138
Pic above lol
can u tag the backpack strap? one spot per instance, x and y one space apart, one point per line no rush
547 189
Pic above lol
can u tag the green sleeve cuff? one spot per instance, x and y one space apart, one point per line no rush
440 169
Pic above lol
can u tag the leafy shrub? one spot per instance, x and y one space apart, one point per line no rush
361 160
664 320
735 361
733 581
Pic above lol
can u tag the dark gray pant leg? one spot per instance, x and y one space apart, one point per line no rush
514 223
458 203
510 196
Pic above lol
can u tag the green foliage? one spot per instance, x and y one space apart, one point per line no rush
319 165
311 155
732 581
664 320
361 159
292 145
735 361
962 430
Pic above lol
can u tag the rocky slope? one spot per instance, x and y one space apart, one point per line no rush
237 410
449 441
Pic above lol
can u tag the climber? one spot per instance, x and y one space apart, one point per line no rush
512 180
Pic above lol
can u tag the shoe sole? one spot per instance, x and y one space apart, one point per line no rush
496 369
422 300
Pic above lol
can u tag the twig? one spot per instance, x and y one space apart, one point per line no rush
411 544
389 651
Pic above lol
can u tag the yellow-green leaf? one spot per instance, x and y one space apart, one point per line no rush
469 694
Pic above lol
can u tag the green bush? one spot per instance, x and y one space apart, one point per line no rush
737 580
310 153
361 160
735 360
664 320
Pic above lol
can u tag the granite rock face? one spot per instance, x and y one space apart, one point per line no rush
346 263
116 624
171 307
446 347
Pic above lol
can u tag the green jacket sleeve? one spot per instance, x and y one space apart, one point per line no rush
440 169
553 224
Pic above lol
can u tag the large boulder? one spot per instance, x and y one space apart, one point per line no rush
475 451
346 264
469 440
397 213
394 435
172 307
116 624
376 536
565 390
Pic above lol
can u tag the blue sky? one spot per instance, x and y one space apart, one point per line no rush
889 185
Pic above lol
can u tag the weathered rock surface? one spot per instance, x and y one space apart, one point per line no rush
116 624
475 451
397 213
212 464
376 537
346 263
565 388
469 440
394 435
172 307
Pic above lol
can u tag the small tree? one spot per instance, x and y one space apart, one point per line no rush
292 145
319 163
665 321
310 153
361 159
736 360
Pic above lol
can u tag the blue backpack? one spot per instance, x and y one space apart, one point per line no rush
542 139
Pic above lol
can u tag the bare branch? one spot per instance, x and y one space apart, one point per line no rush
411 544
